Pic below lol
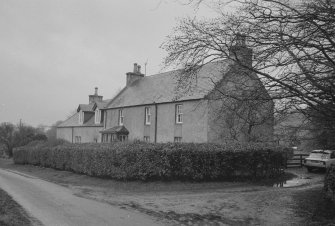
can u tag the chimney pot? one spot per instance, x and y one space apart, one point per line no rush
139 69
96 91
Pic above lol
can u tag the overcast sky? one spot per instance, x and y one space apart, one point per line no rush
54 52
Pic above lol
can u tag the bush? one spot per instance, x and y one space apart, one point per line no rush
161 161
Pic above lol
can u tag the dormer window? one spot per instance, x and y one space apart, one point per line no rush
97 116
81 117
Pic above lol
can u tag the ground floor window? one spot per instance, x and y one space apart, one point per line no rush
77 139
108 138
123 138
146 138
177 139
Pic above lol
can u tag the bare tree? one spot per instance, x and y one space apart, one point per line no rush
293 45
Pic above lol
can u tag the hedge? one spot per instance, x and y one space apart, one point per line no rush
161 161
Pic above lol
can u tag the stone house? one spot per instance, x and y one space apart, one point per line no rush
219 102
84 126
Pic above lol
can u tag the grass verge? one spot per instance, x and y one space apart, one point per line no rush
11 214
314 208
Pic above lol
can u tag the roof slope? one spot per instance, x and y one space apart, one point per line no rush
85 107
73 121
101 104
164 87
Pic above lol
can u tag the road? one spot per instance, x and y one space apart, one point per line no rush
53 204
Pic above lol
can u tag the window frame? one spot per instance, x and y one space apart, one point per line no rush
97 116
146 138
179 114
121 117
178 139
77 139
147 116
122 137
81 117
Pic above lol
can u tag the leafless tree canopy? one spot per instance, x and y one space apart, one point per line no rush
293 45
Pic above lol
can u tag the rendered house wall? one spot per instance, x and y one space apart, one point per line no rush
193 128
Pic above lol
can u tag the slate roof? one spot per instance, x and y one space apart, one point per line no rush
164 87
102 104
73 121
85 107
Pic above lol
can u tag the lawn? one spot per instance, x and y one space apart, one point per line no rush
11 214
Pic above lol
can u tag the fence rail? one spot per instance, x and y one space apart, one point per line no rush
296 161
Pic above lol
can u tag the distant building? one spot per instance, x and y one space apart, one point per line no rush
164 108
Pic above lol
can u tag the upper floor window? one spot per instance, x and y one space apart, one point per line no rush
81 117
121 117
97 116
179 113
147 115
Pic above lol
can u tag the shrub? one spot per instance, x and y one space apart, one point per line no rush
161 161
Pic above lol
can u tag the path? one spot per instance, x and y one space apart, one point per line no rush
53 204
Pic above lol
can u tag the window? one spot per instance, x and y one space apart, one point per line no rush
123 138
147 115
146 138
179 113
81 117
97 116
77 139
121 117
177 139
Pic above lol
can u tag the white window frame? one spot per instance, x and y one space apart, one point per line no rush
146 138
81 117
97 116
177 139
179 113
147 115
121 117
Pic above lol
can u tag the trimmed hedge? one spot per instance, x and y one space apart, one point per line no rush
161 161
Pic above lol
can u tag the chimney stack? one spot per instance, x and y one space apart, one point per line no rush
240 52
135 75
95 97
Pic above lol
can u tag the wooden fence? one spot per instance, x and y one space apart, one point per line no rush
296 161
